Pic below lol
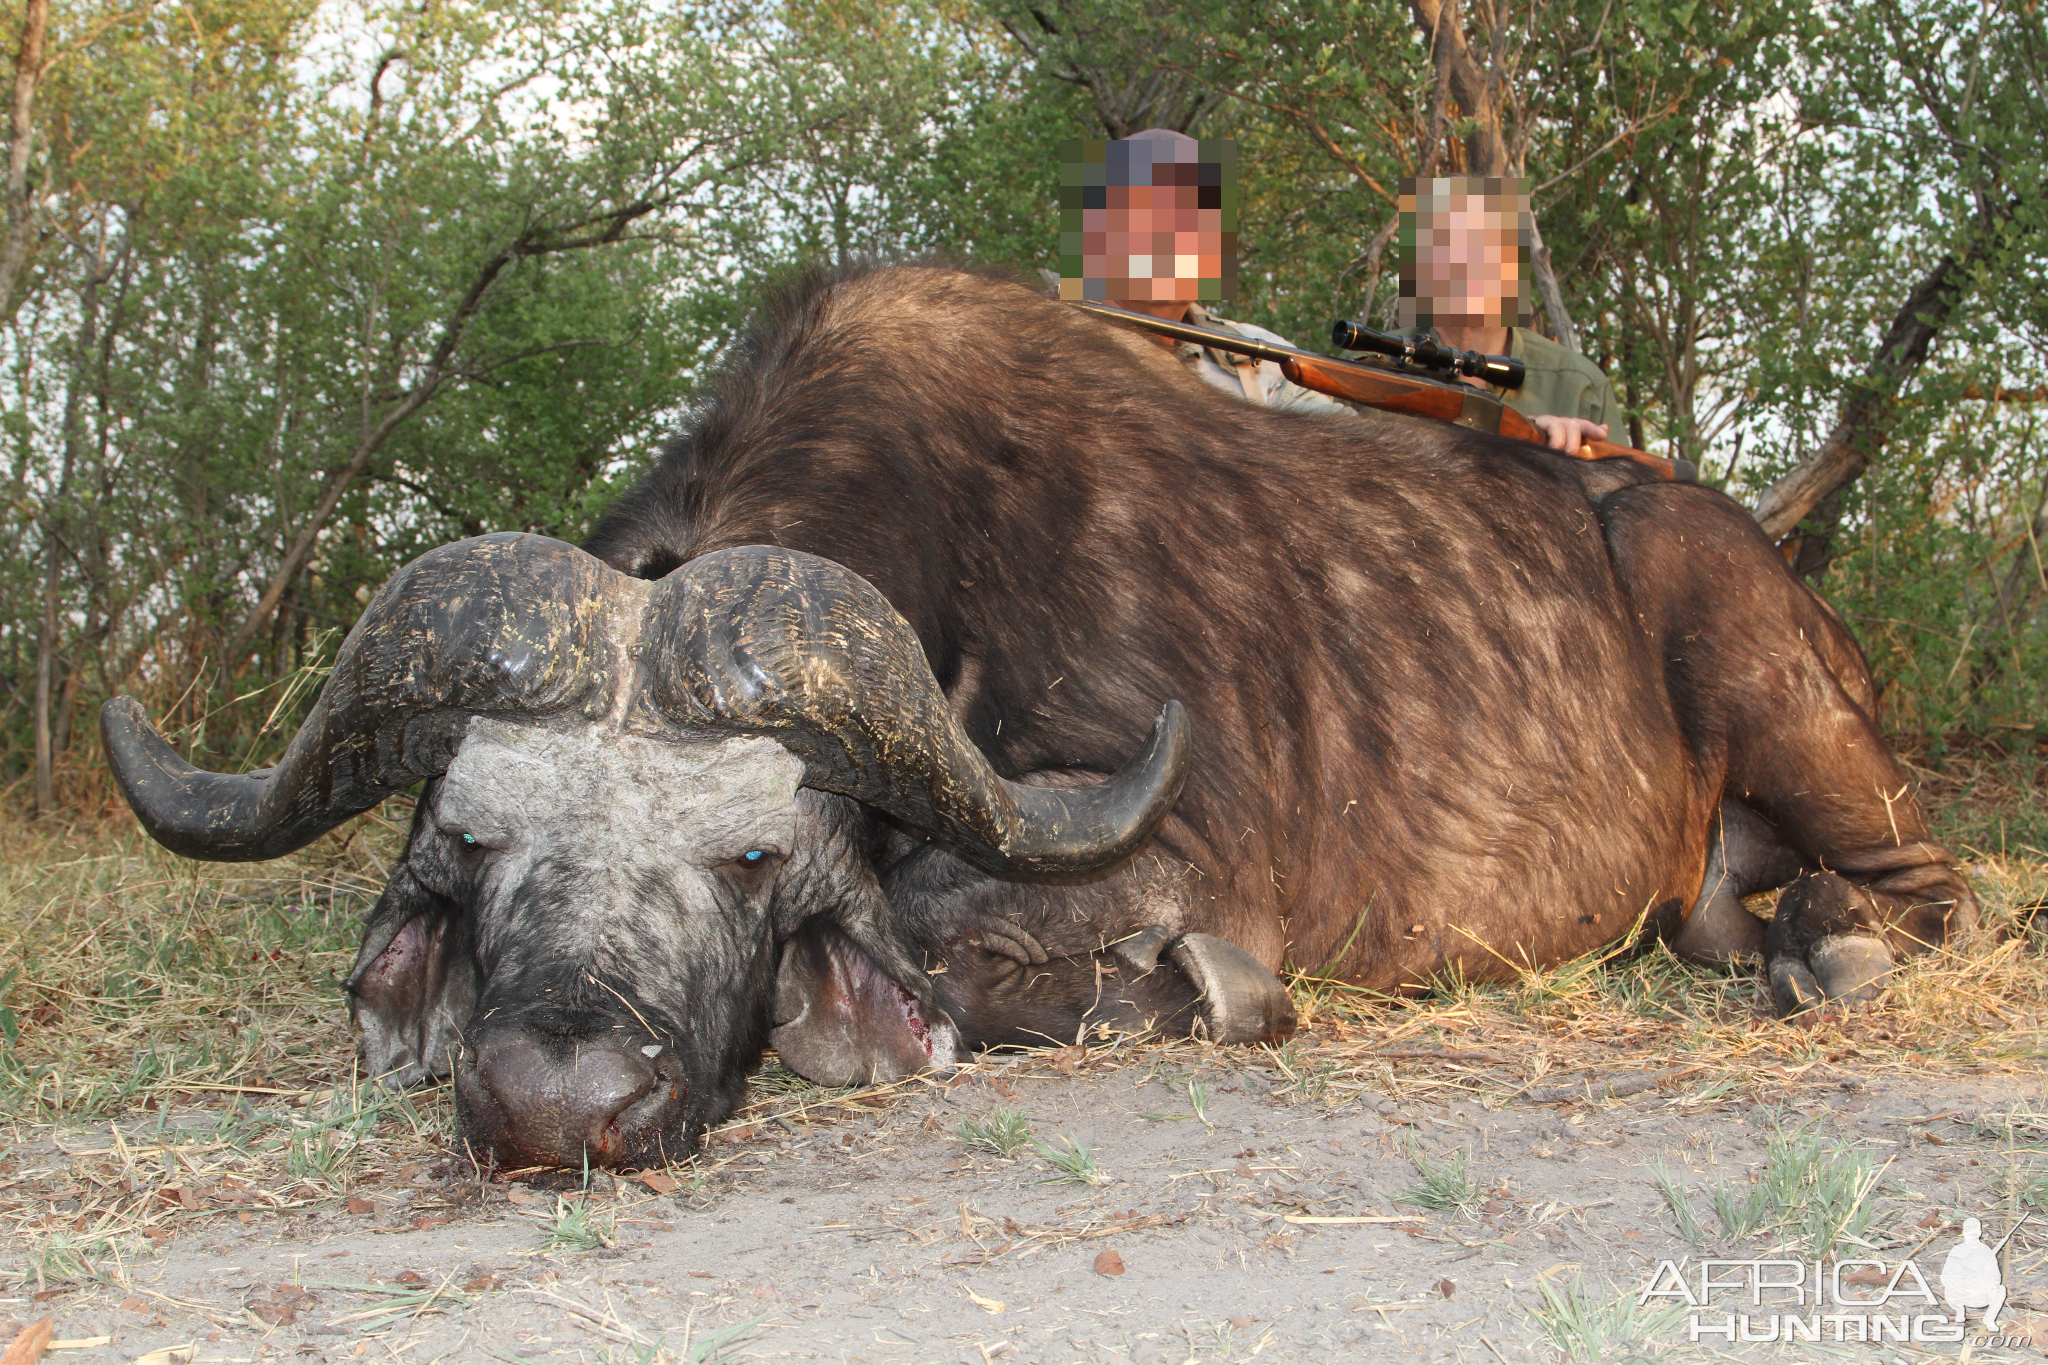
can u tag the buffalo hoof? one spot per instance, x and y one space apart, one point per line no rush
1842 971
1851 967
1240 1001
1825 945
1793 987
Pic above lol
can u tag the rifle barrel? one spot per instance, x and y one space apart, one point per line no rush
1200 336
1389 390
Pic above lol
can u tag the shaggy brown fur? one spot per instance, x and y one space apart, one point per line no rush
1458 702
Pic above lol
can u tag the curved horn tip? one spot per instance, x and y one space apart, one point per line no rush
186 809
1083 832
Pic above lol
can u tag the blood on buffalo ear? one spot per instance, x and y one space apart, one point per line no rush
413 984
850 1006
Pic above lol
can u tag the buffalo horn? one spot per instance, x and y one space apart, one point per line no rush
766 640
503 623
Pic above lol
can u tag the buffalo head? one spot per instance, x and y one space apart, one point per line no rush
642 852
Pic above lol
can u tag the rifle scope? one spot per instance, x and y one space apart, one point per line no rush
1425 353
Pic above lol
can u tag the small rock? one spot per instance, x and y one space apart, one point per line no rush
1107 1262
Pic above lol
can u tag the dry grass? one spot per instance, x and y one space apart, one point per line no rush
174 1049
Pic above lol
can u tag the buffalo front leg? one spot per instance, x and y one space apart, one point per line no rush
1109 956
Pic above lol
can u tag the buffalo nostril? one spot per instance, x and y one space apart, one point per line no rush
563 1101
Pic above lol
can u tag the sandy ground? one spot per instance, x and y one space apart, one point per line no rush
1263 1228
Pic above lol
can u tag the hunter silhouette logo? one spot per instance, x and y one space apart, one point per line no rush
1971 1278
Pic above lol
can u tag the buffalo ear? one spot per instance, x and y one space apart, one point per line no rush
841 1020
414 984
851 1004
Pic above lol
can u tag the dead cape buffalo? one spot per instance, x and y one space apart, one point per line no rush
857 730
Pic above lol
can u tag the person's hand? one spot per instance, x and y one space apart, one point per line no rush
1569 433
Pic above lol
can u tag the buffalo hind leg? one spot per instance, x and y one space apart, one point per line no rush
1104 960
1744 856
1774 694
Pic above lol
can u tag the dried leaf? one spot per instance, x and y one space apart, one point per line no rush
275 1314
1067 1060
358 1204
1446 1286
989 1306
431 1220
659 1182
1107 1262
29 1344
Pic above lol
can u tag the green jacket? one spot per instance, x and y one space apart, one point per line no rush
1560 382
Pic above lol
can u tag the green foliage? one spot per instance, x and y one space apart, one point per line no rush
1618 1328
576 1226
1072 1164
1004 1133
1820 1192
377 277
1444 1184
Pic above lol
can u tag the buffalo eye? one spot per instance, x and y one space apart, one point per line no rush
750 867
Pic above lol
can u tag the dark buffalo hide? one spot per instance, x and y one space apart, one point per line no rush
1456 703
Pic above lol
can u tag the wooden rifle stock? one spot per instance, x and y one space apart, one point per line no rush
1389 390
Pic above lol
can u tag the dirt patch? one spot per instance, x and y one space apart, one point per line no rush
1490 1173
1218 1215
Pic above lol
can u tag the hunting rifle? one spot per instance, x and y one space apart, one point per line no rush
1393 391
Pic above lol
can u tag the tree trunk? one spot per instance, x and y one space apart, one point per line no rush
47 644
28 70
1486 147
1866 415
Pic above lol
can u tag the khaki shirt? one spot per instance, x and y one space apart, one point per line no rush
1255 381
1560 382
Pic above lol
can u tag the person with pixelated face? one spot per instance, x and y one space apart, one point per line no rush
1149 223
1464 250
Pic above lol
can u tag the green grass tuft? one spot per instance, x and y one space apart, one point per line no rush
1004 1133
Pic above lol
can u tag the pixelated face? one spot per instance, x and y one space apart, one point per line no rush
1464 251
1148 221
